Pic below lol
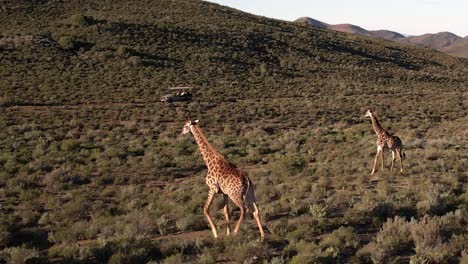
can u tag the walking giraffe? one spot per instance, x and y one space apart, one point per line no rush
385 140
225 178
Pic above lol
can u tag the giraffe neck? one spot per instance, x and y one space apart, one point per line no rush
206 149
377 127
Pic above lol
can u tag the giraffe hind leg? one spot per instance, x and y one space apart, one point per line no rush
250 201
393 160
375 160
226 213
382 153
400 158
258 220
241 218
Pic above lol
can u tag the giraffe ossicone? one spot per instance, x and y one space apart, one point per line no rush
224 178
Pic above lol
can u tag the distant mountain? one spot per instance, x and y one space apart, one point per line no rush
435 41
442 41
460 48
312 22
349 28
387 34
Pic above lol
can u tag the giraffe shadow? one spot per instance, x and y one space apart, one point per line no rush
388 177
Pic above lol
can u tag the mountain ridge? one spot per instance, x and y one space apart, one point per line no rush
439 41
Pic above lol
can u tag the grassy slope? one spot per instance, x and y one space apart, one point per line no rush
88 151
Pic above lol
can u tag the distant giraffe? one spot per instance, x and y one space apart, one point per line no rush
224 178
385 140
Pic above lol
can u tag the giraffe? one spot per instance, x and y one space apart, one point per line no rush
226 179
385 140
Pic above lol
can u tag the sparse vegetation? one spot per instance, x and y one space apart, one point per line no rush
92 169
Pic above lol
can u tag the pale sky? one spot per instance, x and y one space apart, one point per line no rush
413 17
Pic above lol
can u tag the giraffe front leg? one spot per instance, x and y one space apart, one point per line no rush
206 211
226 213
375 160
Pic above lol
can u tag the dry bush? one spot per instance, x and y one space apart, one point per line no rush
19 255
433 200
434 236
393 238
339 243
433 239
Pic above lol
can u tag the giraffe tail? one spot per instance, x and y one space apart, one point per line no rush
247 190
249 196
402 153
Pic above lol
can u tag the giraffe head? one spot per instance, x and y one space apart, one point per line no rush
369 113
188 125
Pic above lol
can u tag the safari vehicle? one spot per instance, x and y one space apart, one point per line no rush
177 94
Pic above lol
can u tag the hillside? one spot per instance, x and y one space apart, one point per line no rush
313 22
94 44
436 41
387 34
93 168
348 28
458 49
443 41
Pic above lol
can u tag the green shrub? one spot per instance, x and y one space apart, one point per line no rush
139 250
4 233
122 51
66 251
122 258
306 252
432 235
82 20
340 242
393 238
288 165
19 255
237 249
433 201
318 211
209 256
191 222
174 259
164 223
67 42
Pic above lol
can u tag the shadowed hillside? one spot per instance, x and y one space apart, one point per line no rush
93 168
